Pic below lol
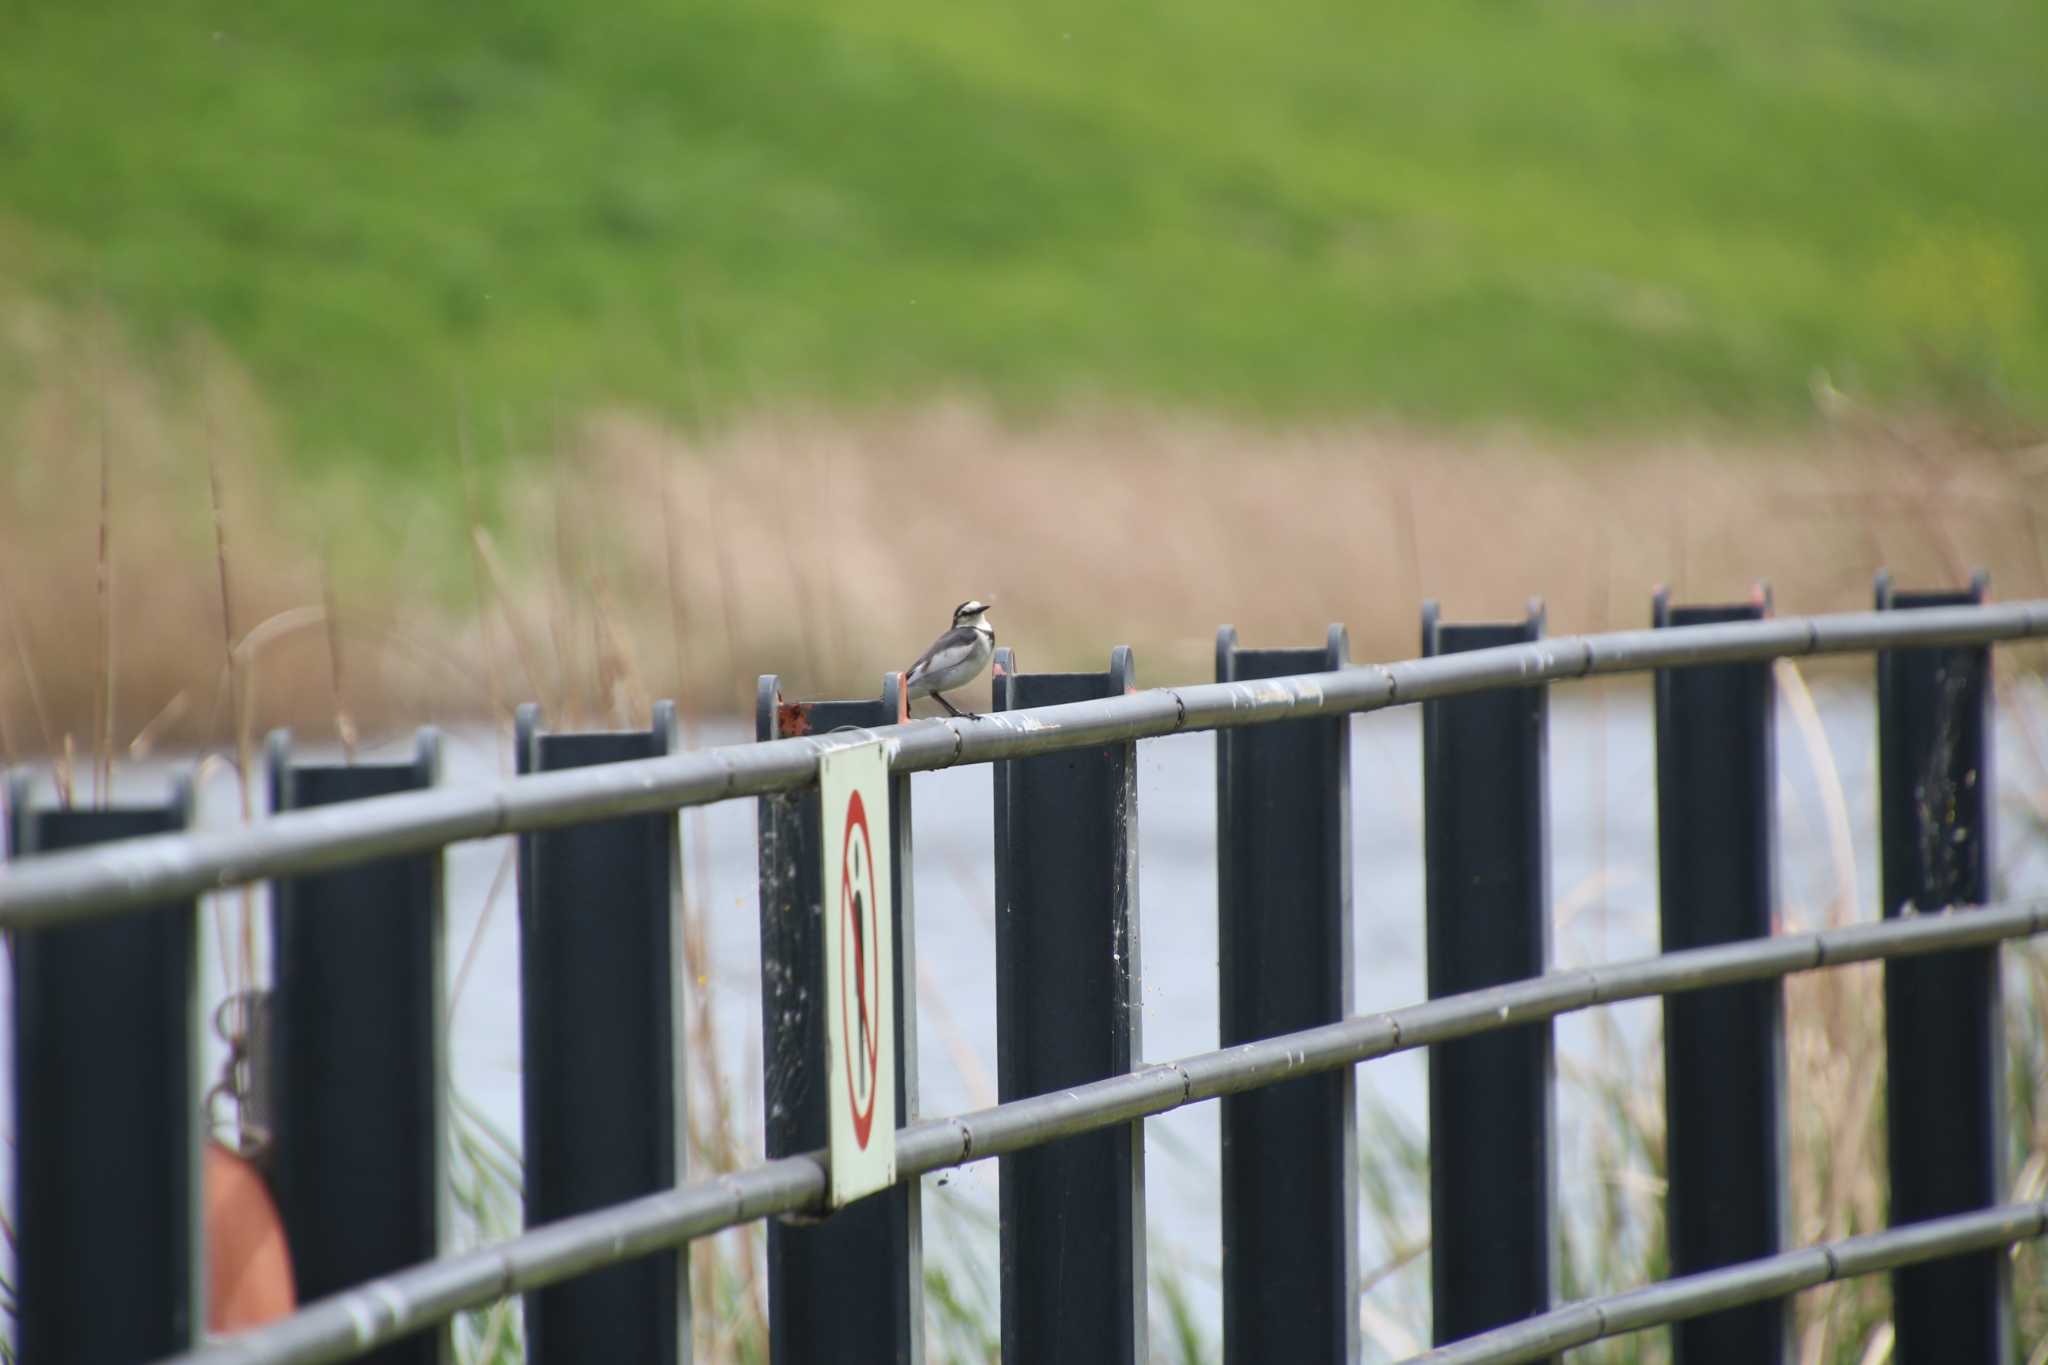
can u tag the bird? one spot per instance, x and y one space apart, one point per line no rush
956 658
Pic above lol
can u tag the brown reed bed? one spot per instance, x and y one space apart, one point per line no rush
612 556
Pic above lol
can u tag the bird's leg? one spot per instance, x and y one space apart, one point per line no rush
951 710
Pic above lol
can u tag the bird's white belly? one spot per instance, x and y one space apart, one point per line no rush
953 668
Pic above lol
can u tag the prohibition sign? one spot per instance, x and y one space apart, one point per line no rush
858 970
860 976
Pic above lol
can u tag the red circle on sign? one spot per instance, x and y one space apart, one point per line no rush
857 932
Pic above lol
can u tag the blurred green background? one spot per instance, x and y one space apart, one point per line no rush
1281 314
1573 213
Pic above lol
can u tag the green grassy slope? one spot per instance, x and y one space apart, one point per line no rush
1577 211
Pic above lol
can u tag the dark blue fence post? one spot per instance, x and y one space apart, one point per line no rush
106 1111
1724 1049
1944 1031
1492 1170
1290 1168
849 1288
1067 1012
357 1073
601 1022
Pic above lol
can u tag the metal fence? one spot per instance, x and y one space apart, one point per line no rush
107 1096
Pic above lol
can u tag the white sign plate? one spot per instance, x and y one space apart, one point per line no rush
860 971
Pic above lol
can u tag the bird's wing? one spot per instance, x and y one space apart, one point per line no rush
949 648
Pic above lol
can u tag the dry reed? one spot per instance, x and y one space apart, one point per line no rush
829 548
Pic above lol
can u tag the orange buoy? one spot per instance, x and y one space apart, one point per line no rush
248 1263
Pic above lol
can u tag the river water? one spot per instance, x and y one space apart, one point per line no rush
1603 890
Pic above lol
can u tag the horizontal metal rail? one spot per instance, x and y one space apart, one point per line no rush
70 886
1656 1305
397 1305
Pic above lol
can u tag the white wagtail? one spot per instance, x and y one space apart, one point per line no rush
955 658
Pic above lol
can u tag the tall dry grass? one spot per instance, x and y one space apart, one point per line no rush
613 556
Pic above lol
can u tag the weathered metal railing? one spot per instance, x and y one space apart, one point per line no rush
597 881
